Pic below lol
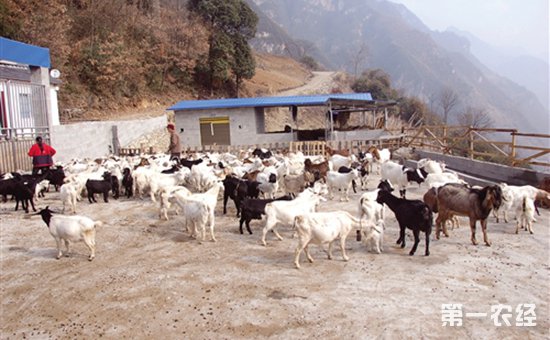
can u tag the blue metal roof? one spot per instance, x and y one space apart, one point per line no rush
311 100
22 53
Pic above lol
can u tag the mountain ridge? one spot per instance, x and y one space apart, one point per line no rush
419 61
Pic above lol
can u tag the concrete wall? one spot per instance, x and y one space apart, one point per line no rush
245 127
490 171
358 134
95 139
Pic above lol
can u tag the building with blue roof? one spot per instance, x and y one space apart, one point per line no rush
248 121
28 95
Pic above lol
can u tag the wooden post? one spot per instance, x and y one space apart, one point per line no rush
471 142
445 140
513 149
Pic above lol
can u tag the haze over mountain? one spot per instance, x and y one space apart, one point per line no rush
420 61
526 70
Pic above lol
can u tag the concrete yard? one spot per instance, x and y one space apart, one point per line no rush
150 279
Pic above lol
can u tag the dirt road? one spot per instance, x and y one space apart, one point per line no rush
320 83
150 279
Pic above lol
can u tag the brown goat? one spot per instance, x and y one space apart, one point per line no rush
430 198
459 199
330 151
251 176
321 169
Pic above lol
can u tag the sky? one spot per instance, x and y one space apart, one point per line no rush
519 24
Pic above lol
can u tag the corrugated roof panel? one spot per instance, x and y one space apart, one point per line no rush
310 100
22 53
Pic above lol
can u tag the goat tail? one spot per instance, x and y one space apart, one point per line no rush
98 224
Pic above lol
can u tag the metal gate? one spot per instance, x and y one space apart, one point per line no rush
23 116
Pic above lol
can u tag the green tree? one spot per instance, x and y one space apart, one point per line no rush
309 62
232 23
243 65
377 82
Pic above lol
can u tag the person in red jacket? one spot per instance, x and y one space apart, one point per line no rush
41 154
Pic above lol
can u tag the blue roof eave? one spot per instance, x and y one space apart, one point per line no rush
310 100
22 53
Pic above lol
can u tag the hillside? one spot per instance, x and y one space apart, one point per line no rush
420 62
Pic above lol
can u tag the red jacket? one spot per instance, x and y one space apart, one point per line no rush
41 158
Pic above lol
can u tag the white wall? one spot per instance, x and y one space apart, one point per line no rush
242 124
95 139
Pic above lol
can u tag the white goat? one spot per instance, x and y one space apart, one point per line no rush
197 214
40 188
269 184
166 198
68 194
525 213
374 236
341 181
369 208
336 161
71 229
323 227
430 166
284 212
400 176
210 198
434 180
513 197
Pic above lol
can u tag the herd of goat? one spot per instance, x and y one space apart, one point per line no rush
191 187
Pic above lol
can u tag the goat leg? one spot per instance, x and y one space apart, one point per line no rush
248 226
484 229
68 247
416 234
59 252
343 248
32 205
473 231
427 253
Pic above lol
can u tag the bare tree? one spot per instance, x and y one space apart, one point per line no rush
447 99
475 117
359 58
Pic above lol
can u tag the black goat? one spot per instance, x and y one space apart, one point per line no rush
7 186
94 186
254 209
189 163
115 187
262 153
127 182
56 177
174 168
24 193
238 190
412 214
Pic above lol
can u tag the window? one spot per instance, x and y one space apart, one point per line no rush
25 105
